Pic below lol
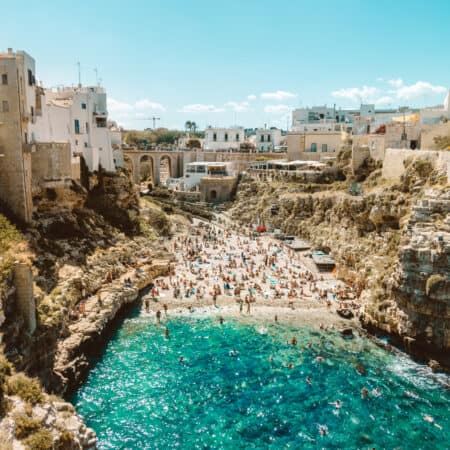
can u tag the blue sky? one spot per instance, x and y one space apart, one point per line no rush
241 62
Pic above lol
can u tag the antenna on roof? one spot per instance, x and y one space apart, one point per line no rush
79 74
97 79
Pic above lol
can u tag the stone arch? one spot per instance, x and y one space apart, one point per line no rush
213 195
146 169
165 168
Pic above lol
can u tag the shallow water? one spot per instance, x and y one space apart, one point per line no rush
228 394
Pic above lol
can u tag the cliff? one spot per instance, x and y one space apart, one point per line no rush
62 288
390 243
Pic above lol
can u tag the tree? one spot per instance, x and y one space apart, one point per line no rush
188 126
193 127
193 143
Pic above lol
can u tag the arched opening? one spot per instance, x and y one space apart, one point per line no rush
213 195
146 170
165 169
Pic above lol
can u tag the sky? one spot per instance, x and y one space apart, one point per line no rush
236 62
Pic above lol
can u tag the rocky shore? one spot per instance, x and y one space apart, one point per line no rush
391 244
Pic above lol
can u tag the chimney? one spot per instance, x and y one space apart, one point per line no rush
10 50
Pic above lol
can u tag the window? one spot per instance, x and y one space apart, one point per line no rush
32 112
5 106
313 147
83 106
268 138
87 127
324 148
214 137
76 141
226 137
4 78
262 138
85 145
77 126
30 78
237 137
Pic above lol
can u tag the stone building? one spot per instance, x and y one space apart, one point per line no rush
43 133
223 138
313 146
267 139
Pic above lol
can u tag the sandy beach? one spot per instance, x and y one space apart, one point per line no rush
222 273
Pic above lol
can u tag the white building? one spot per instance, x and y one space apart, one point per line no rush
223 138
267 139
85 120
195 171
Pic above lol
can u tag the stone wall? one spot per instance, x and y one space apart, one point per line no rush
216 190
23 282
429 132
51 161
394 161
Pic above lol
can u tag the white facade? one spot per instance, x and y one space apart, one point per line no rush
89 134
267 139
223 138
195 171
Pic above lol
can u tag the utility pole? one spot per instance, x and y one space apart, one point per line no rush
79 74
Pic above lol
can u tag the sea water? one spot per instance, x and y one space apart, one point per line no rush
234 389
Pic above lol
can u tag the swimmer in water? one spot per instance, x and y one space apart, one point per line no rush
167 333
319 358
337 404
181 359
364 392
290 366
294 341
376 392
221 320
308 380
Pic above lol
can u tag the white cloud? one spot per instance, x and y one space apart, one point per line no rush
277 95
418 89
398 82
238 106
277 108
251 97
198 107
116 106
384 100
395 90
146 104
355 94
127 111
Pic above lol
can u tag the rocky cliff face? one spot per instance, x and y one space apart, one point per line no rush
391 243
417 300
80 248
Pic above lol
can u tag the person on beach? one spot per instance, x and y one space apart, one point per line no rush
165 308
158 316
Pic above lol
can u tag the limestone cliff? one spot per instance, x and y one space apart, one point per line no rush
80 248
391 243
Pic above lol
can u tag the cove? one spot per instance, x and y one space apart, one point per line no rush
234 389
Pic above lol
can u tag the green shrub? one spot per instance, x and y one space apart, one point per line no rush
25 425
28 389
433 283
8 233
41 440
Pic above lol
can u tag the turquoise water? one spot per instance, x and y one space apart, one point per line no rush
229 394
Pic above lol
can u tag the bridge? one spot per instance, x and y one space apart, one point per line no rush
154 165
